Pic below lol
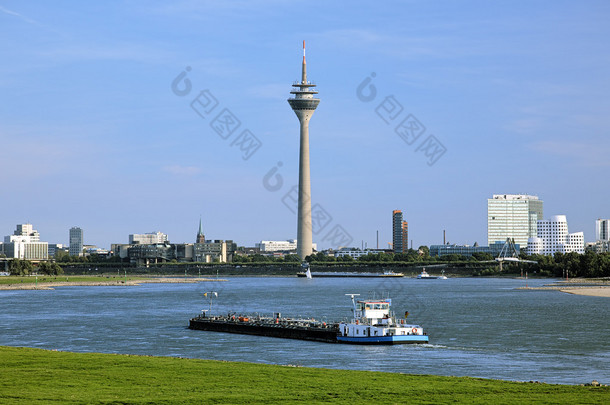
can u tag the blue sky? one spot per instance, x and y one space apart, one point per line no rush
516 94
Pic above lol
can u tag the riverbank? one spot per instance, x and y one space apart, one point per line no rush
589 291
34 375
25 283
593 287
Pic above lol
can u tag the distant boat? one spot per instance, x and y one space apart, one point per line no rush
390 273
348 274
308 271
425 276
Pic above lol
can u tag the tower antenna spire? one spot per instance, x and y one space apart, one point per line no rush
304 74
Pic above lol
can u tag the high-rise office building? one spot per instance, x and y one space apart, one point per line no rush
602 230
304 104
76 241
400 232
513 216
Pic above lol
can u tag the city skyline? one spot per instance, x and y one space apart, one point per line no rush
92 132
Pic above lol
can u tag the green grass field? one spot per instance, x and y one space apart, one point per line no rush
31 376
63 279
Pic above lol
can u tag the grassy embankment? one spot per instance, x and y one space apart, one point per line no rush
64 279
38 376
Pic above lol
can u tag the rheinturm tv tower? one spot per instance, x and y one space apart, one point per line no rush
304 104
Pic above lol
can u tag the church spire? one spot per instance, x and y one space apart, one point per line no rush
200 235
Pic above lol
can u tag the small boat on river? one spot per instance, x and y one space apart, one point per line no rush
425 276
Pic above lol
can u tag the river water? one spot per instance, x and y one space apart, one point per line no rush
478 327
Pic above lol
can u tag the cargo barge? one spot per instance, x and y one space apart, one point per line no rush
373 323
304 329
346 274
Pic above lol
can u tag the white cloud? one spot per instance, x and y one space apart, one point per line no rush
13 13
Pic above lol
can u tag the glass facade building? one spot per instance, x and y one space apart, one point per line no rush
513 216
76 241
400 233
602 230
493 249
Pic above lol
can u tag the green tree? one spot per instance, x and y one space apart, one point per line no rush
425 251
241 259
454 258
482 256
62 256
292 258
51 269
386 257
18 267
258 258
345 259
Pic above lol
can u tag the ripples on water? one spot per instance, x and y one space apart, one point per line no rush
477 327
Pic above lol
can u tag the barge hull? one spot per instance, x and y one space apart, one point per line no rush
385 340
328 335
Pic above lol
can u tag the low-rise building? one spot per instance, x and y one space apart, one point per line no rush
356 252
54 248
553 237
288 245
217 250
145 254
151 238
493 249
598 247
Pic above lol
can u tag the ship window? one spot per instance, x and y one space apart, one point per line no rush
377 306
385 306
368 306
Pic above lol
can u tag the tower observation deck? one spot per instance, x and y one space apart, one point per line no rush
303 103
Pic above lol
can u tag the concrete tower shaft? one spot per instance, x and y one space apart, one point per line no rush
304 104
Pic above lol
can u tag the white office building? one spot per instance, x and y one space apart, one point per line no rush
553 236
513 216
278 245
152 238
356 253
25 243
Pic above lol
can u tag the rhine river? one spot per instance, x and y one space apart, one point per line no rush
478 327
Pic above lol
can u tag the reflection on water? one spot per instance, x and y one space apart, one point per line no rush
477 327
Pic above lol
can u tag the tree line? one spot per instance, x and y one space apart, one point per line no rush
20 267
589 264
